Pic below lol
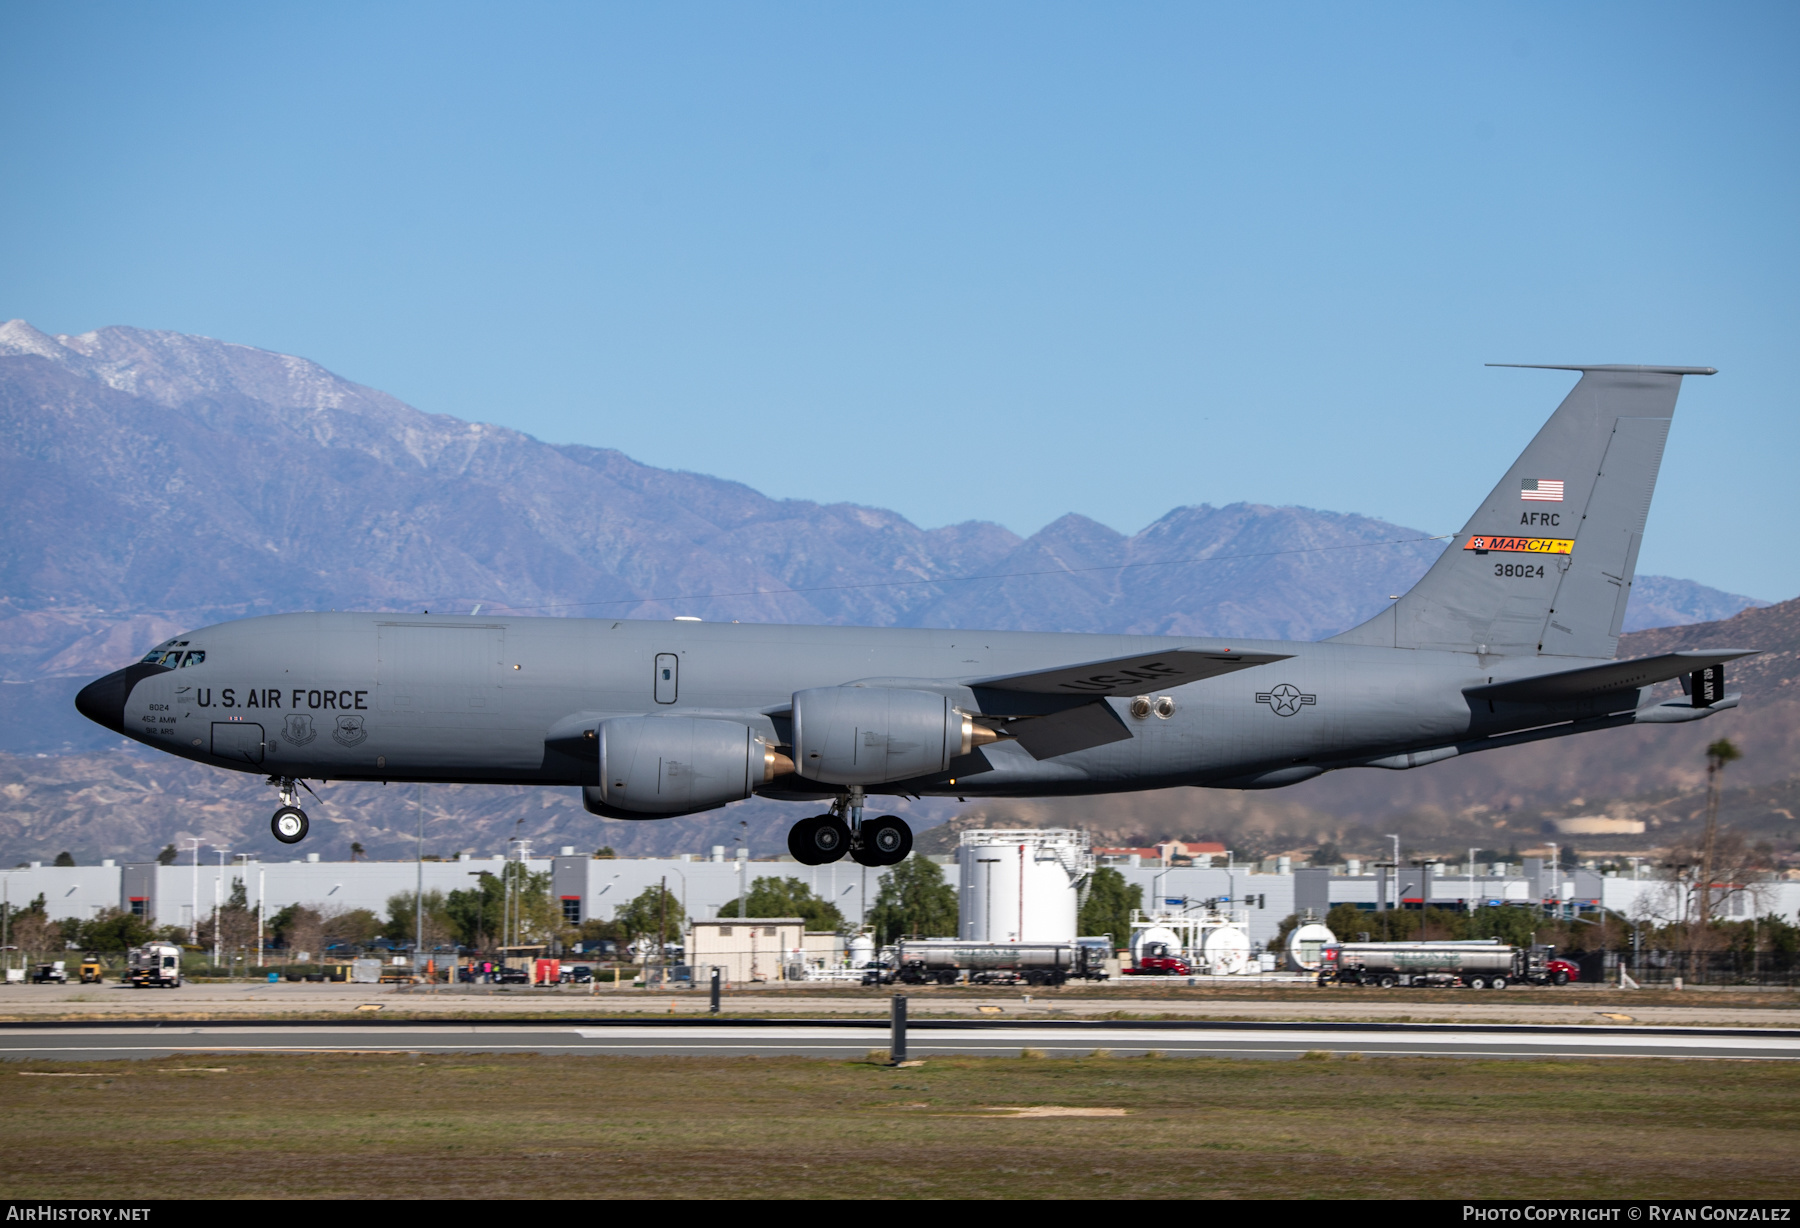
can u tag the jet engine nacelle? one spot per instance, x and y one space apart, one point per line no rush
678 764
850 735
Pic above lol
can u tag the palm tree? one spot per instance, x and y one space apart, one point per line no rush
356 850
1718 754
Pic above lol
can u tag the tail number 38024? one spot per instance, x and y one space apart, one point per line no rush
1518 570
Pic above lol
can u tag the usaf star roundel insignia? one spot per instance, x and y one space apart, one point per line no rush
1286 699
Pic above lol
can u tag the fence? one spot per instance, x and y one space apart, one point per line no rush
1700 967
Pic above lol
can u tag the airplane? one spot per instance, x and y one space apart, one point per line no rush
1509 638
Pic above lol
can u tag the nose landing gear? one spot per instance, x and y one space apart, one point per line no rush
824 838
289 823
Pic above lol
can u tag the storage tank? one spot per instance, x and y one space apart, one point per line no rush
1021 886
1306 947
1147 941
862 950
1226 950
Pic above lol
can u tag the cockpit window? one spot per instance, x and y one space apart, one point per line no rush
169 655
193 658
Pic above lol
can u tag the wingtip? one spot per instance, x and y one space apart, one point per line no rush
1626 367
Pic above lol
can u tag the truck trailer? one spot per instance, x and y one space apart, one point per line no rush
1478 965
945 961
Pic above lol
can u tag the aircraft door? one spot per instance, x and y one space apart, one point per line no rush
668 677
241 741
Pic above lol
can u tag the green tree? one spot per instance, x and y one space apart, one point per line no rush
65 858
1327 854
477 916
353 927
914 899
114 929
167 856
403 917
604 853
1513 926
1110 900
787 897
655 909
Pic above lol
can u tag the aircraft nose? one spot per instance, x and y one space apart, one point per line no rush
103 701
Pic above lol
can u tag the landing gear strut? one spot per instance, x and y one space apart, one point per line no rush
289 824
824 838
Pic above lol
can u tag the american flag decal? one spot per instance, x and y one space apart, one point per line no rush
1541 490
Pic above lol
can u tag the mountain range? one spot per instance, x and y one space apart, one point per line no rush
158 482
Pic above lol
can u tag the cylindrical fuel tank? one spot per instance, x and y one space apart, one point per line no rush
1155 940
1452 958
1306 947
1019 886
1226 950
947 953
862 950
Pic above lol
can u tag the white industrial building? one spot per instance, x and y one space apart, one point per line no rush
987 873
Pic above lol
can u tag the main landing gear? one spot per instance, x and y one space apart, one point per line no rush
289 824
882 841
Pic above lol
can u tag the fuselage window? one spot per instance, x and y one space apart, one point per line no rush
193 658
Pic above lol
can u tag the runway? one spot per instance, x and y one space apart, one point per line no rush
840 1039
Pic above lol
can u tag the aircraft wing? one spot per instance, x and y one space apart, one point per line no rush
1612 676
1132 675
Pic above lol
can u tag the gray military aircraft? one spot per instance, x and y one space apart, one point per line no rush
1509 638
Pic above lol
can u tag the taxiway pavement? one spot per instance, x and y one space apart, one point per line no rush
856 1038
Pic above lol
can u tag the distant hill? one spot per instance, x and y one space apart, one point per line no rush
159 481
1658 601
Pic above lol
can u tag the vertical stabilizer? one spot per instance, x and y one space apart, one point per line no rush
1545 565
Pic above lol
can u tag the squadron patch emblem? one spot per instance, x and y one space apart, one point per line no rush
1286 699
349 731
298 729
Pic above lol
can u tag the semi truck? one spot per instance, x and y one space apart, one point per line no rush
1478 965
155 965
945 961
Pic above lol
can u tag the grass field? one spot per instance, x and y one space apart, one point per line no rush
368 1125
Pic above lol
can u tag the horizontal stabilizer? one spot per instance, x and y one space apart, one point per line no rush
1132 675
1599 679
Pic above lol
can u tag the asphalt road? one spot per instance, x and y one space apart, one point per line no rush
846 1039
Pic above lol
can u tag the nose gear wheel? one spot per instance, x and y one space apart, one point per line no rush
289 825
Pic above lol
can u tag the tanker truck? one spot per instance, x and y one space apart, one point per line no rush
1479 965
944 961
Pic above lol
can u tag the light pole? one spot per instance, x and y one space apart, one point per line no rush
6 914
419 881
262 893
218 901
744 869
684 917
194 898
1471 882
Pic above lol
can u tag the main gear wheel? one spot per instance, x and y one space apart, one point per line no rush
819 840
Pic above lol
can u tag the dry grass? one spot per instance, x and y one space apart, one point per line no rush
621 1127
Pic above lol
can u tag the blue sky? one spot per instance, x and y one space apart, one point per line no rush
998 261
